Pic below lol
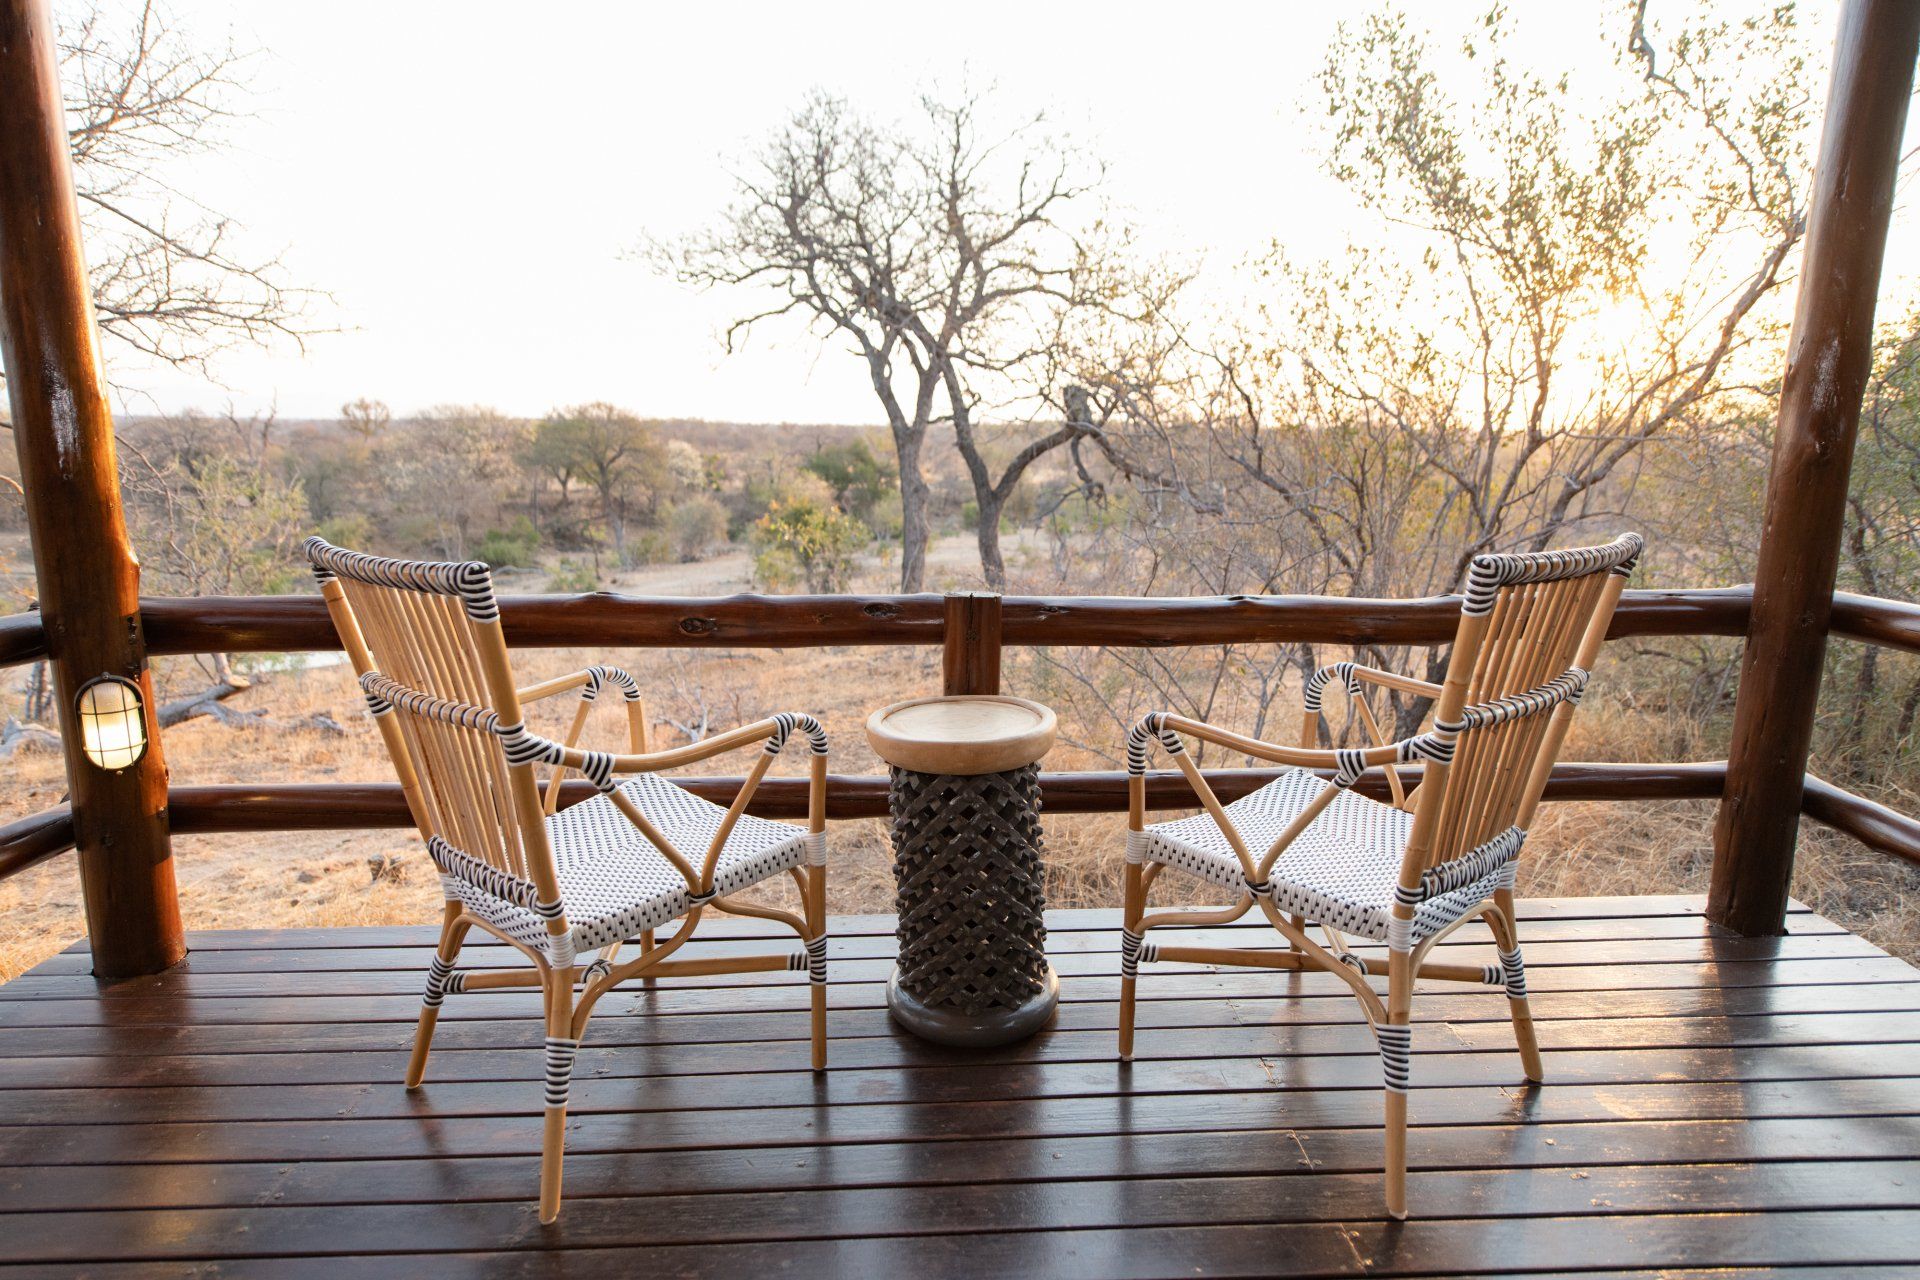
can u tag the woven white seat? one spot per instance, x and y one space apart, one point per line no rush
1340 871
617 885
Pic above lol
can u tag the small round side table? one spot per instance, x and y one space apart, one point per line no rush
971 890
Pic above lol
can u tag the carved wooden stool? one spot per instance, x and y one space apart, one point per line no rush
965 802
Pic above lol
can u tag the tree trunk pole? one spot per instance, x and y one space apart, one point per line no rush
971 653
89 581
1828 360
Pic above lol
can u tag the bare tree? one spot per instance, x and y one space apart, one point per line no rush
169 277
946 254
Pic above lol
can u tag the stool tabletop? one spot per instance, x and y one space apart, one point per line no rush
966 735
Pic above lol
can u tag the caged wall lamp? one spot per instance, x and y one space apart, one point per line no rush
113 722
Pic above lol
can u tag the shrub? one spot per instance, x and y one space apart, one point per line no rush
573 575
512 547
810 535
696 526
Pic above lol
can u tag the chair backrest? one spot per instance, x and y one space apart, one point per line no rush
425 639
1530 629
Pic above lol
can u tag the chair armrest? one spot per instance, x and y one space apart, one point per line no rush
589 680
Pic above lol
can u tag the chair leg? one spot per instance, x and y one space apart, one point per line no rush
1396 1061
646 945
1506 932
452 934
817 959
1130 954
561 1048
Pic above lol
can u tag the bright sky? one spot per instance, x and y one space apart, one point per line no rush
464 179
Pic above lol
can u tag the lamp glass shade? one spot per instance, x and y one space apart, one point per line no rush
113 722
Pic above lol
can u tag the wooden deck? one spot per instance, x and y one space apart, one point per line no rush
1713 1102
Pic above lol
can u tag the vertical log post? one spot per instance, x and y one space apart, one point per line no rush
971 652
1828 360
88 577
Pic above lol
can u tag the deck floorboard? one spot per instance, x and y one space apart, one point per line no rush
1713 1103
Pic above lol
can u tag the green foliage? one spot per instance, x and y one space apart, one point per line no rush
860 481
805 538
573 575
515 546
610 451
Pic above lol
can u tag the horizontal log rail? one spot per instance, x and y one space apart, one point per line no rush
297 624
1874 620
33 839
361 806
333 806
1871 823
23 639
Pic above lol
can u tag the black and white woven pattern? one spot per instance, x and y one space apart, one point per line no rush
812 961
1565 687
1514 971
784 726
1146 729
1396 1055
560 1056
616 884
1343 870
1317 683
438 975
1489 573
471 580
621 680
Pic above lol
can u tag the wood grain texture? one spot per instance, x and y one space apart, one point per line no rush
1828 358
1893 623
88 578
292 624
242 1113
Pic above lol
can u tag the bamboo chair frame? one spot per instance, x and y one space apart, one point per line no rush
1530 630
466 765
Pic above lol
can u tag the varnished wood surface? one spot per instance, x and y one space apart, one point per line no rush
1712 1101
1829 356
210 624
83 563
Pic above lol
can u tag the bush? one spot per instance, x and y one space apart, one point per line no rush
573 575
695 527
513 547
647 546
809 535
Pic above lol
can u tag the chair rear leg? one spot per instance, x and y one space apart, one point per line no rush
1130 941
561 1045
1505 925
817 959
452 933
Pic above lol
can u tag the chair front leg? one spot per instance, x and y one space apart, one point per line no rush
453 932
1130 944
1396 1062
1506 933
561 1047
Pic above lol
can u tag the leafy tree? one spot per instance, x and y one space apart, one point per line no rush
859 480
622 459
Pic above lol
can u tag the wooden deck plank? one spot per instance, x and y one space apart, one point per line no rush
1712 1102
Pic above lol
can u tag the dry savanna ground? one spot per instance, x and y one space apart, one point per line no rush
382 877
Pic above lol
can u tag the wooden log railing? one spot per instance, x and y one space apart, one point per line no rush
972 644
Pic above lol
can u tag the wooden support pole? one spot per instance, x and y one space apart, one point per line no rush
88 579
971 651
1828 360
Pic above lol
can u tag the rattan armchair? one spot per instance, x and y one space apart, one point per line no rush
560 886
1306 849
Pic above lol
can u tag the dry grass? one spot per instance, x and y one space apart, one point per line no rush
319 879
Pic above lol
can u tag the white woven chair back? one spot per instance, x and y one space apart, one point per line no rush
1529 629
430 655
